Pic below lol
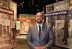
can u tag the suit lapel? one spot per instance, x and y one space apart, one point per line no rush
36 31
43 27
44 31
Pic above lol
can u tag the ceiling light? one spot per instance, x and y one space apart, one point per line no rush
29 5
20 3
32 3
23 2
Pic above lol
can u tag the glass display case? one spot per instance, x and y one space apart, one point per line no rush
59 21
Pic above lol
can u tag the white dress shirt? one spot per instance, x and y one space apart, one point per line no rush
40 26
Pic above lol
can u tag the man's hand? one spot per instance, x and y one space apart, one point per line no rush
43 47
37 47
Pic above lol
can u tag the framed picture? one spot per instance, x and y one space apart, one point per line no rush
49 8
59 32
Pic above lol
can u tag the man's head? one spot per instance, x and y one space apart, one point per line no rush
40 17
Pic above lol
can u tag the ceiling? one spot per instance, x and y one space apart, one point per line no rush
32 6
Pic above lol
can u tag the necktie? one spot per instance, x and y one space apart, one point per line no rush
39 31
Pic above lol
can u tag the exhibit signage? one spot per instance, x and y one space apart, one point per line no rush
4 10
56 13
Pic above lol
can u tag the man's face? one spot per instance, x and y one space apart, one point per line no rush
39 18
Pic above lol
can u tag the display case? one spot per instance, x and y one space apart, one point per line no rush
70 27
6 35
59 21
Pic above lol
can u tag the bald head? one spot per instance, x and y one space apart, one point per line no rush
39 17
40 14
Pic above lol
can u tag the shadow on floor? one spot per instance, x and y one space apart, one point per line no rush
21 44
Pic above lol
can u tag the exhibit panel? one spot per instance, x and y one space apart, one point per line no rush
70 24
26 20
59 23
58 19
7 37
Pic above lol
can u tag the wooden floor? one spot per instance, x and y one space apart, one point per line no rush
22 44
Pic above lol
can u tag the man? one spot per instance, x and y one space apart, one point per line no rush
40 36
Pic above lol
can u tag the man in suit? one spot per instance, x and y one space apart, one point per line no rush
40 36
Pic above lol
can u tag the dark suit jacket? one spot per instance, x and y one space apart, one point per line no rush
33 39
